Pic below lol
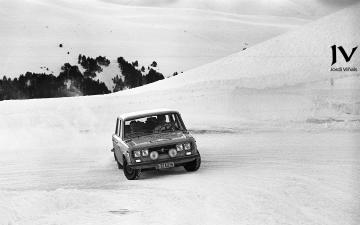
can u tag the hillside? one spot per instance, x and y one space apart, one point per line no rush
178 39
297 64
285 62
301 56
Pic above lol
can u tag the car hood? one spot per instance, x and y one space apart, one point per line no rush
158 139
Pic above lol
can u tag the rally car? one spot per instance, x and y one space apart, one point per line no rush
154 139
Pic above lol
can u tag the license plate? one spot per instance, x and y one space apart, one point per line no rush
165 165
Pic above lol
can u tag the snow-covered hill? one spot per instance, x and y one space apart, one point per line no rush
297 63
298 57
278 76
278 138
178 39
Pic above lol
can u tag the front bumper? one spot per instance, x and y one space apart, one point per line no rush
177 161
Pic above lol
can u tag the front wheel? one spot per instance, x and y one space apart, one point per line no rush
193 165
130 173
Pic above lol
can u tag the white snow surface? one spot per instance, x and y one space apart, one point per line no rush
279 143
245 178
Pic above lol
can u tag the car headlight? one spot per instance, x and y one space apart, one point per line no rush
179 147
172 153
137 154
154 155
145 152
187 146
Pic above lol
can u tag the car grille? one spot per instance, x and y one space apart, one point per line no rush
162 150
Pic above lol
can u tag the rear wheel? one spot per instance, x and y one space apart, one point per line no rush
130 173
193 165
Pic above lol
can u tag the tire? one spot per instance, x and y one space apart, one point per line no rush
131 174
118 163
193 165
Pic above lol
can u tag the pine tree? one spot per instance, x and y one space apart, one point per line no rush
119 84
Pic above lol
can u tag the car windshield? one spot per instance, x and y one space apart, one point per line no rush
152 124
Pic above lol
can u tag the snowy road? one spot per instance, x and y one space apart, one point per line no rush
246 178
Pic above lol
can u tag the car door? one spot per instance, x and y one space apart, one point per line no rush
117 142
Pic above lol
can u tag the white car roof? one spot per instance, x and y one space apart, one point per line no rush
145 113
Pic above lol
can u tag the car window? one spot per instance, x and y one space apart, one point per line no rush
152 124
116 126
119 129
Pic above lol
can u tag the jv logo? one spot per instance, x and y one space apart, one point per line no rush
343 52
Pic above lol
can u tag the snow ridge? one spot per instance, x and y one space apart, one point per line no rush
298 57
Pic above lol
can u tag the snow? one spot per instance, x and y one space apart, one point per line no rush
279 143
298 57
246 178
293 8
178 39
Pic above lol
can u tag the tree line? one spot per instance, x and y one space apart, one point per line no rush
71 81
134 75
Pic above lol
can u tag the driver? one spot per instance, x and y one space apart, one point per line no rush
162 124
133 127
